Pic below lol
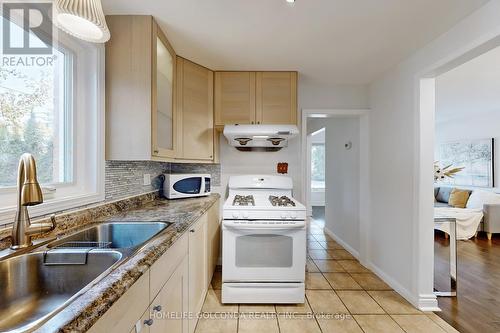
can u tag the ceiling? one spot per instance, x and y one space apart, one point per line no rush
470 89
328 41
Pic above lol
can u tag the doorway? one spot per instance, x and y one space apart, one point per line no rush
336 175
460 105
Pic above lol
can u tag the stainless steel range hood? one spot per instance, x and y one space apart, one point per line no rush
264 137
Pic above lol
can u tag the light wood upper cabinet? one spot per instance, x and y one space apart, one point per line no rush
163 95
276 97
255 98
140 90
234 98
195 118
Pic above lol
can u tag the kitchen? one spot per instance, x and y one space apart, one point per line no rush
142 167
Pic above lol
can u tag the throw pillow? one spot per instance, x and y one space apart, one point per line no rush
458 198
443 194
479 198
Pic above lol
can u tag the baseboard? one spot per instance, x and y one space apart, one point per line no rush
424 302
341 242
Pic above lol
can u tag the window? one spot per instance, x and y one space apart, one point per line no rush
318 166
55 111
36 117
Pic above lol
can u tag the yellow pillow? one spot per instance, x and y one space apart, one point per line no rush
458 198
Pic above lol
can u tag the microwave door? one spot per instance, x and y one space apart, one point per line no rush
192 185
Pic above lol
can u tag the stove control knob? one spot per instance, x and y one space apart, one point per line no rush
235 215
245 215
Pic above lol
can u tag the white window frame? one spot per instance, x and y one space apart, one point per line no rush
87 185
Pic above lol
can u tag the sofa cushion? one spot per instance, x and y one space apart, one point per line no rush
479 198
444 194
436 191
458 198
440 204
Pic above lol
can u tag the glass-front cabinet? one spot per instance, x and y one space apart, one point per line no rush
163 95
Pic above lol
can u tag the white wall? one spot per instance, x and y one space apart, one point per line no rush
397 251
342 178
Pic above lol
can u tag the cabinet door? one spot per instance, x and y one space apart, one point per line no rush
171 303
234 98
162 95
197 268
195 113
142 325
276 97
213 239
121 317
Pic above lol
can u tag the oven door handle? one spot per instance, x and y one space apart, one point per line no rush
240 226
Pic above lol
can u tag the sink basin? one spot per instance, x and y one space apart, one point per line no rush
31 290
113 235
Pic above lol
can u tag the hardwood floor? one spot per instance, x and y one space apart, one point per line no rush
477 305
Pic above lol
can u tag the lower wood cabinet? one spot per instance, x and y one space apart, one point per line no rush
122 317
171 303
198 268
213 239
173 290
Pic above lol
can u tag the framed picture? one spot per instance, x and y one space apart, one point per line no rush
475 156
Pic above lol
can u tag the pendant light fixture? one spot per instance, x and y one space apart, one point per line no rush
83 19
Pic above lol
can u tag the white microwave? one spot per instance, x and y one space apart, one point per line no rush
186 185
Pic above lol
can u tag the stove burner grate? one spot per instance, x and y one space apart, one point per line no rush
282 201
243 200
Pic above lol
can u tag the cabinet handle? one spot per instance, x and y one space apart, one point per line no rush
148 322
156 151
192 230
157 308
258 122
252 122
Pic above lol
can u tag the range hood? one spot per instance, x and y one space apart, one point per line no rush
254 137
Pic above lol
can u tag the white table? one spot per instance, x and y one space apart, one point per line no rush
452 223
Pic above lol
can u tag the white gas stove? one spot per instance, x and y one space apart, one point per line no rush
264 241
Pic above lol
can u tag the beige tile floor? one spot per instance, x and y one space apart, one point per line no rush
341 296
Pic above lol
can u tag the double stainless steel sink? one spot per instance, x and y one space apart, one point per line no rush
36 285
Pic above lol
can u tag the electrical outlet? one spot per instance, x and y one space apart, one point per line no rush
147 179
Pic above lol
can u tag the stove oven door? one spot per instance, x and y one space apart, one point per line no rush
263 253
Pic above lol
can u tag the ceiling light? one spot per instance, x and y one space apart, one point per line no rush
290 1
83 19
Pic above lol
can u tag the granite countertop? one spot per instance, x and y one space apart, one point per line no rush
86 309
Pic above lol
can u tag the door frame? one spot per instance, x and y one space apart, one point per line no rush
363 115
423 178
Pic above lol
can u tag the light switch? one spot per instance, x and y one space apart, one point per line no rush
147 179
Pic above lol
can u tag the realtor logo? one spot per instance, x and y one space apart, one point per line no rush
33 18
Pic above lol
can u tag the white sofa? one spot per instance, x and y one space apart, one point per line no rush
489 201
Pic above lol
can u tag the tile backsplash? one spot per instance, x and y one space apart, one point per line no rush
126 178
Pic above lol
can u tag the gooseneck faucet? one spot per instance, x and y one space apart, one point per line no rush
29 193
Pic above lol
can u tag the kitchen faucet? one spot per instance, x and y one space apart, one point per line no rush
29 193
